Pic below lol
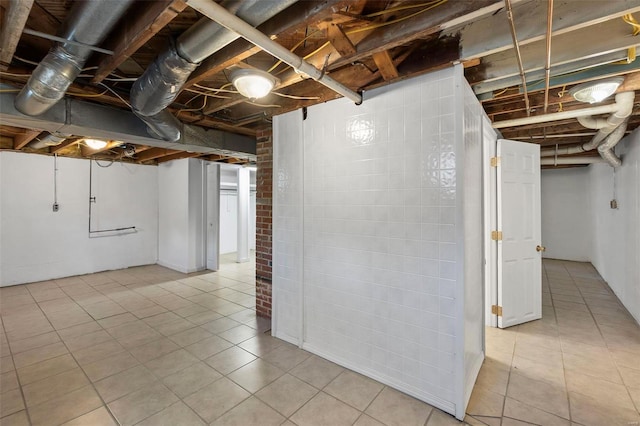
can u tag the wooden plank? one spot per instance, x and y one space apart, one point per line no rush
88 152
14 22
22 140
340 41
178 155
294 18
131 36
491 34
153 153
582 44
63 145
385 65
420 26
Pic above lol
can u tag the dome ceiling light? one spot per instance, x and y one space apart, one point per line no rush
252 83
596 91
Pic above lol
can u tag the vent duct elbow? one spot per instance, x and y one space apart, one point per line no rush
163 80
89 23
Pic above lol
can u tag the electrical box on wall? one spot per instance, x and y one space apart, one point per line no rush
56 207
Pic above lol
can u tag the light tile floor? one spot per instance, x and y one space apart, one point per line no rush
151 346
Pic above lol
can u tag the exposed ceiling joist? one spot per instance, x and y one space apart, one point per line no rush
177 156
295 18
23 139
420 26
15 19
134 34
153 153
490 34
567 48
385 65
66 143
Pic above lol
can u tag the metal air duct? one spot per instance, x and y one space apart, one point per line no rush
88 23
163 80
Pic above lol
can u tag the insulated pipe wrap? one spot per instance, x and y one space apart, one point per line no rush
163 80
48 82
163 125
89 23
157 88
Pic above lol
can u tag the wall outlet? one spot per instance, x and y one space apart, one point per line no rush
56 207
614 204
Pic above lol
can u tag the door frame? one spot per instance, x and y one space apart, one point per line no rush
211 215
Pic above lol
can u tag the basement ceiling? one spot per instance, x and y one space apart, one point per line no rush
362 44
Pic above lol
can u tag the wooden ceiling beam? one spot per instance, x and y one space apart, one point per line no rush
23 139
88 152
295 18
66 143
153 153
340 41
421 26
134 34
177 156
385 65
15 19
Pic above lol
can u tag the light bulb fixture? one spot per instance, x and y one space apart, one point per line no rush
252 83
95 143
596 91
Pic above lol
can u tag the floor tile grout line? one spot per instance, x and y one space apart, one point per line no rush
80 366
24 400
104 404
564 369
605 341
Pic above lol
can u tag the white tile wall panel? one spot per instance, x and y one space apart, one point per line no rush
382 233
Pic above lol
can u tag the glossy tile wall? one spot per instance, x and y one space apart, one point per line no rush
381 234
287 226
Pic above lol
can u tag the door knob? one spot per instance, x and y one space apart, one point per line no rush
540 248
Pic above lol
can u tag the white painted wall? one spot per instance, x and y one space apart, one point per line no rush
182 237
229 210
371 223
228 222
38 244
616 248
566 214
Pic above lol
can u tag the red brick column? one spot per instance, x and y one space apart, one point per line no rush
264 191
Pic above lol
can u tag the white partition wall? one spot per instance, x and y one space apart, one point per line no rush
378 245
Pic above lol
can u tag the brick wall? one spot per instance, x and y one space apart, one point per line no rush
264 187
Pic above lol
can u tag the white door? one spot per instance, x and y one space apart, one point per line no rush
213 215
519 255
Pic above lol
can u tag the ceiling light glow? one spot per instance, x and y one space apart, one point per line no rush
253 84
95 143
596 91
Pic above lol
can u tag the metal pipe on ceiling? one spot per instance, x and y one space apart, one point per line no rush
516 46
88 24
163 80
555 116
246 31
562 161
547 66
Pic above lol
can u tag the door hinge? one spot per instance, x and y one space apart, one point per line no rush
495 161
496 235
496 310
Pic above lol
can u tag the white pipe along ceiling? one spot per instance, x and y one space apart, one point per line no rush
610 131
228 20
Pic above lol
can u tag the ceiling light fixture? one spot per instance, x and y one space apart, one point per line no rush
596 91
95 143
252 83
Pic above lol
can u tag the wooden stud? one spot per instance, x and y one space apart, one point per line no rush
385 65
23 139
340 41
